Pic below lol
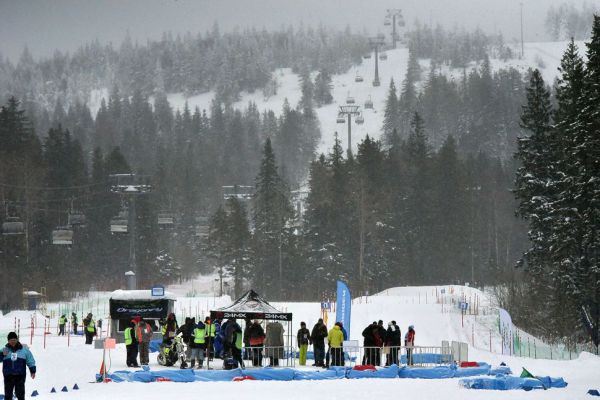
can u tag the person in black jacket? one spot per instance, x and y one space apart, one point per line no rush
317 339
369 343
256 339
303 338
187 334
393 341
380 341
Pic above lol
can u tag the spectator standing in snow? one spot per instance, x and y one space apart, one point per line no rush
169 329
369 343
317 338
235 338
274 342
393 341
143 333
409 342
303 338
379 341
210 331
15 358
131 344
256 338
197 344
74 323
62 321
89 327
187 331
336 338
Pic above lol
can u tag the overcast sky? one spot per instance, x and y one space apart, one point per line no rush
46 25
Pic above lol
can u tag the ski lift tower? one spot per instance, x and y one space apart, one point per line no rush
130 186
394 18
376 42
348 111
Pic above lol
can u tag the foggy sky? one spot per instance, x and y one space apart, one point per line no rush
46 25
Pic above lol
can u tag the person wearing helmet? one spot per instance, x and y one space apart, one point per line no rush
409 342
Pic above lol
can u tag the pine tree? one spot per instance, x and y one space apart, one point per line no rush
391 118
272 209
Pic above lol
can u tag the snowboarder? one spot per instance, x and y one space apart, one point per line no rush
15 357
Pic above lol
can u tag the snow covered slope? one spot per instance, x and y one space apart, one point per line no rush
545 56
64 364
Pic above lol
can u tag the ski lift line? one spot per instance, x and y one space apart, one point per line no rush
62 210
67 199
51 187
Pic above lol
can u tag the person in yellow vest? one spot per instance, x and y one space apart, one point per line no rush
89 327
131 344
62 321
210 331
336 339
197 345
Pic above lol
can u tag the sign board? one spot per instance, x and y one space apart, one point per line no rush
443 291
127 309
350 345
110 343
157 291
464 306
325 306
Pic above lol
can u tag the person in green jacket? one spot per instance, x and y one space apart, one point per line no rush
336 340
62 321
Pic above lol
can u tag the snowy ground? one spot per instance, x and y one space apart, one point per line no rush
64 361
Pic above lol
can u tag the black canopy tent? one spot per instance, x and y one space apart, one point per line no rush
251 306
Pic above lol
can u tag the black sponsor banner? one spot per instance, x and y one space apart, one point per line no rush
123 309
250 315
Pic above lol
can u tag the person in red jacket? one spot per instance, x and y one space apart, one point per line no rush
409 342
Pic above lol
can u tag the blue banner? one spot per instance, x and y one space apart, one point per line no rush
343 306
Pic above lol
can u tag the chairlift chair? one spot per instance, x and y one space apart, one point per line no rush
165 220
341 120
120 223
62 235
383 56
76 218
350 100
360 119
358 78
400 21
387 22
369 103
13 226
367 56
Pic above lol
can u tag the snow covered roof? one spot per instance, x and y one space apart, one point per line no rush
31 293
251 305
139 295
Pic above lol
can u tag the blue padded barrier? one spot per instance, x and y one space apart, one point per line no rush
385 373
270 374
512 383
316 375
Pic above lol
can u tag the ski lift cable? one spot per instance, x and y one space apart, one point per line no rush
52 187
66 199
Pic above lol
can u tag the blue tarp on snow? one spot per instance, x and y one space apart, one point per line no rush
270 374
317 375
443 372
512 383
385 373
218 375
427 358
501 370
